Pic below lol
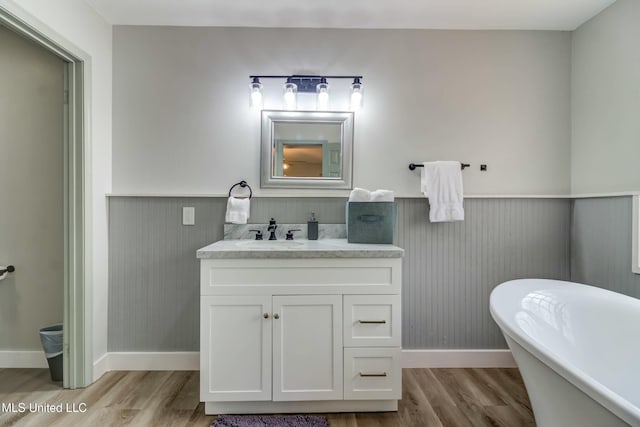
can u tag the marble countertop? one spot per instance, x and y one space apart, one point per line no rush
323 248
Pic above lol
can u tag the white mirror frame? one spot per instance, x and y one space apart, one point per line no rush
635 253
271 117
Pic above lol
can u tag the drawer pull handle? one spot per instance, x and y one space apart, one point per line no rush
276 316
384 374
373 321
266 315
370 218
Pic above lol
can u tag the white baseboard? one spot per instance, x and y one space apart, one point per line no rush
190 360
100 366
147 361
23 359
457 359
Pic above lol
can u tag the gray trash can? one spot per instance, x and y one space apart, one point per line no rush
51 338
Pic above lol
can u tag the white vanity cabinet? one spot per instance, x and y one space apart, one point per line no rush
281 348
300 334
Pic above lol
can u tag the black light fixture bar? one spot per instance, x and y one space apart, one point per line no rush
306 76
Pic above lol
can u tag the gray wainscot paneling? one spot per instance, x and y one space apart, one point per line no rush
601 244
449 268
153 272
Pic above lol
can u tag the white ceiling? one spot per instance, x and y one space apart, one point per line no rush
436 14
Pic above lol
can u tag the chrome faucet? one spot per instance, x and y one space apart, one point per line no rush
272 228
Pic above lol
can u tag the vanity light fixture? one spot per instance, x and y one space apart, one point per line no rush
356 94
298 83
256 93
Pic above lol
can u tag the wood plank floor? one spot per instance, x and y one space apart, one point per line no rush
430 397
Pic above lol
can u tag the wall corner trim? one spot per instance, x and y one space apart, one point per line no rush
100 367
635 227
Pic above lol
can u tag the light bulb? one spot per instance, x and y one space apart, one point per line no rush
356 100
290 95
356 94
322 97
290 100
256 98
256 93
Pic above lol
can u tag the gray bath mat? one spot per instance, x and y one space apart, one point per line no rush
270 421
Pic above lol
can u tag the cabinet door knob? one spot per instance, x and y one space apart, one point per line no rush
266 315
276 316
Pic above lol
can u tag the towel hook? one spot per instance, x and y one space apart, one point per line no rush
5 270
8 269
242 184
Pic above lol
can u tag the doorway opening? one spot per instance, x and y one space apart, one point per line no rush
77 356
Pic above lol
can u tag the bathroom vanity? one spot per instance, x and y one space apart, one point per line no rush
300 326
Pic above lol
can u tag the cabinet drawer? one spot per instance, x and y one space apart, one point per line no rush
372 373
300 276
372 321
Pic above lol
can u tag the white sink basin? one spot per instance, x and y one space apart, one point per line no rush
270 244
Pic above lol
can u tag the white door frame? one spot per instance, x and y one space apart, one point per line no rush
77 350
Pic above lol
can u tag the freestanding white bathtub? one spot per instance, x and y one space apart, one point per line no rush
578 350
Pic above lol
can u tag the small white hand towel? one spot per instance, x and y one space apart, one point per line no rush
441 182
382 196
237 210
360 195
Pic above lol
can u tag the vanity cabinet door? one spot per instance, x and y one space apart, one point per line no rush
307 347
235 353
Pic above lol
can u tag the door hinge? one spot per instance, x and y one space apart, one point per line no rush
66 96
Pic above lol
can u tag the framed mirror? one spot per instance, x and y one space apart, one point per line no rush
306 149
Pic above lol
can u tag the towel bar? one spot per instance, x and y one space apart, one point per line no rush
413 166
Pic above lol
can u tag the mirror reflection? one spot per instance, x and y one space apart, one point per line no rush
306 149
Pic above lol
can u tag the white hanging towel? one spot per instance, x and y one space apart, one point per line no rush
237 210
441 182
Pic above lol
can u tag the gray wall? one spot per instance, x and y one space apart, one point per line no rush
605 101
182 122
449 269
601 244
31 190
182 93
